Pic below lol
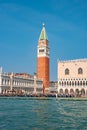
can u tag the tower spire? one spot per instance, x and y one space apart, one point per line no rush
43 35
43 24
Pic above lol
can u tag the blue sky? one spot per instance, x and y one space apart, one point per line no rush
21 24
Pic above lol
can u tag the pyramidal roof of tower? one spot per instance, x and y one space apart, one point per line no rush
43 35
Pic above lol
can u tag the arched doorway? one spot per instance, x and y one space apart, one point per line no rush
66 92
82 92
71 92
77 92
61 91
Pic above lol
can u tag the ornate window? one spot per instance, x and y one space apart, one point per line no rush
80 71
66 71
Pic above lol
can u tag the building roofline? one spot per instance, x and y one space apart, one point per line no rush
74 60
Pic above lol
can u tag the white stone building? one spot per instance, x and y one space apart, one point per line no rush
10 82
72 77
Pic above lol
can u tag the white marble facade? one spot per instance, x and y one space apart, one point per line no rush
72 77
26 85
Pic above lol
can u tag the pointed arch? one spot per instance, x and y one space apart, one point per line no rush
83 83
80 83
71 91
77 92
75 83
67 83
66 91
86 83
83 92
62 83
72 83
61 91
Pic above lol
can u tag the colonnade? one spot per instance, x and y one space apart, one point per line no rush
72 86
20 84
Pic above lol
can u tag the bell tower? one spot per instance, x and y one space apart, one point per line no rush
43 65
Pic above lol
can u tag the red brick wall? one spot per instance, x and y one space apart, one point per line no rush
43 70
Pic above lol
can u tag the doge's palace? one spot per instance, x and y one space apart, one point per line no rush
72 77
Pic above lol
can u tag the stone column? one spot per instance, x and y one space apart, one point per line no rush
35 77
11 81
0 79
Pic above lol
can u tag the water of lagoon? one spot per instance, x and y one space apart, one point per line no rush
25 113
